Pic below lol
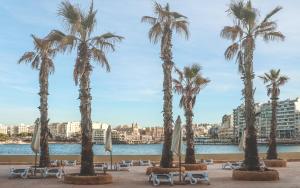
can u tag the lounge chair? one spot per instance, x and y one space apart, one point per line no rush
231 165
123 167
56 172
100 166
208 161
70 162
145 163
194 178
18 172
157 179
129 162
54 163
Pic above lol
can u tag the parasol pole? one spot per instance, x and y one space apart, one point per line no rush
180 158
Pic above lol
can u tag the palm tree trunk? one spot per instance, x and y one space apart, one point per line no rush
272 151
166 56
251 154
190 148
87 155
43 79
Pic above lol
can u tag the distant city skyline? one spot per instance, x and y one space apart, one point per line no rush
132 91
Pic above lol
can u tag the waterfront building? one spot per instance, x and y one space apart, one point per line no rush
3 129
288 119
227 129
99 133
21 128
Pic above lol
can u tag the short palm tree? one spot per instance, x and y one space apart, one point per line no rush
162 27
273 81
246 29
80 27
41 60
189 84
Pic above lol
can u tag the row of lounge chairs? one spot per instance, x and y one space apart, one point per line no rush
238 165
36 172
192 178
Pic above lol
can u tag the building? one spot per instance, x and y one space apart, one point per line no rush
288 119
99 133
288 113
22 128
239 119
227 129
3 129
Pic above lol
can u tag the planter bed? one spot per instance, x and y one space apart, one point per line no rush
160 170
263 175
275 163
98 179
194 167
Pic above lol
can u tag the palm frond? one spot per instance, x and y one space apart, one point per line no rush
231 51
275 35
155 33
27 57
100 57
71 15
274 11
181 27
149 19
231 32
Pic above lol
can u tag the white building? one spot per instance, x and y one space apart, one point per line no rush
99 132
227 129
22 128
3 129
288 119
288 113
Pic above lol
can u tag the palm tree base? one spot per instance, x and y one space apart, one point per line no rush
161 170
261 175
194 167
98 179
275 163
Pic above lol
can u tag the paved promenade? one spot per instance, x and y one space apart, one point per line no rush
136 178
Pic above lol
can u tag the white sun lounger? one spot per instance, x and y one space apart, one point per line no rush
145 163
208 161
70 162
100 166
231 166
129 162
157 179
56 172
18 172
194 178
123 167
54 163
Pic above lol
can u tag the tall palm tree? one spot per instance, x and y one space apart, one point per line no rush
273 81
189 84
162 27
41 60
246 29
80 26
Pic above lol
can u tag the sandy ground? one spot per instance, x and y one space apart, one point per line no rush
136 178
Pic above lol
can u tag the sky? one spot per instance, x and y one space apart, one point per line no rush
132 91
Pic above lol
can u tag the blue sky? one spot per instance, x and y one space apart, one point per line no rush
132 91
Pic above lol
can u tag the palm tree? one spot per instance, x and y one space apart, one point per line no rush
162 27
80 27
41 59
189 84
273 81
243 34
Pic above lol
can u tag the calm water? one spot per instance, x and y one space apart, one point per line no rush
151 149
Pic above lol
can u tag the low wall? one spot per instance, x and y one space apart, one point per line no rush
29 159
